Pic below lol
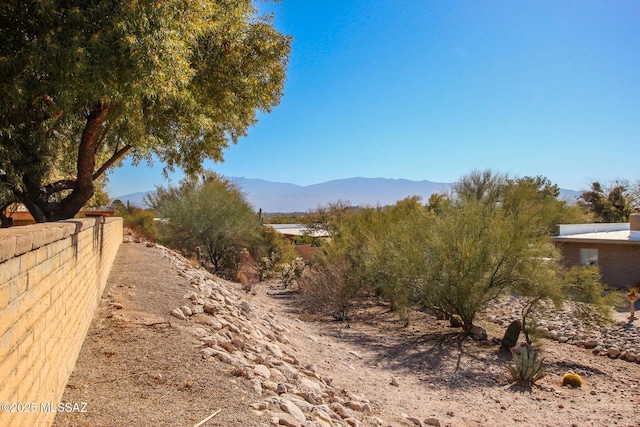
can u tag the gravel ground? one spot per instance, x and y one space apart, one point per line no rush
140 366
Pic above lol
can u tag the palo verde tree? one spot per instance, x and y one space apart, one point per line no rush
493 237
86 83
210 213
372 251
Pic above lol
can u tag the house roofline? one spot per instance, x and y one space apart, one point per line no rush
573 239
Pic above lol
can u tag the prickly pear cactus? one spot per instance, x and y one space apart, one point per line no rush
512 335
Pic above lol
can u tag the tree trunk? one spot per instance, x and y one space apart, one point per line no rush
36 197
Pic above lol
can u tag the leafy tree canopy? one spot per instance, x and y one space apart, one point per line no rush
493 237
613 204
85 83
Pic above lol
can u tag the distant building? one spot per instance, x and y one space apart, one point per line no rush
291 231
297 230
615 248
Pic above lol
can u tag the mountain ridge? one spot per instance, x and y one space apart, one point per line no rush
283 197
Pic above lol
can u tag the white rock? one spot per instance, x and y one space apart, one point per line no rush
291 408
257 386
262 371
305 383
342 411
177 313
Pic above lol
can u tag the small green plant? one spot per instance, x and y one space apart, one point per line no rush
528 367
292 271
572 379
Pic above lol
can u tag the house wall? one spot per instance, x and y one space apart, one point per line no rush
619 264
51 278
306 252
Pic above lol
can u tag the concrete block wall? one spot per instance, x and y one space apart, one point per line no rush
51 278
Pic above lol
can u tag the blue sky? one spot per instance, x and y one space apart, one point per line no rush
434 89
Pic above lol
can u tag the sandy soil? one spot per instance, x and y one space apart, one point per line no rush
141 367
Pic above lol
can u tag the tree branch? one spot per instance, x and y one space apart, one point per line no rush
5 221
58 186
116 156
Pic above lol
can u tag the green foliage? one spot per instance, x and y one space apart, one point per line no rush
438 203
456 255
572 379
583 285
493 237
527 368
395 253
292 271
540 194
212 214
278 251
87 83
100 197
381 247
307 240
609 204
141 222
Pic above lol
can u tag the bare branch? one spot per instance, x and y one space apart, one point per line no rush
116 156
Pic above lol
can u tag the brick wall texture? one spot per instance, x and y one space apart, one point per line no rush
51 278
619 263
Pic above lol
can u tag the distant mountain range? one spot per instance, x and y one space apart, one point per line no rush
283 197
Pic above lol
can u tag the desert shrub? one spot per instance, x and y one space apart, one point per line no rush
213 214
491 239
141 222
292 271
527 367
583 285
382 249
541 288
326 289
456 255
277 251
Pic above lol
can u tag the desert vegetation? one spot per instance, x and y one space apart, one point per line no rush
210 219
455 255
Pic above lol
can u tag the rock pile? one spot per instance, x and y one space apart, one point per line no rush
620 340
254 343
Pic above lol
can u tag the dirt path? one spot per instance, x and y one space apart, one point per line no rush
139 366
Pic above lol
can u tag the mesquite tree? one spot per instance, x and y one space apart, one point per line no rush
86 83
